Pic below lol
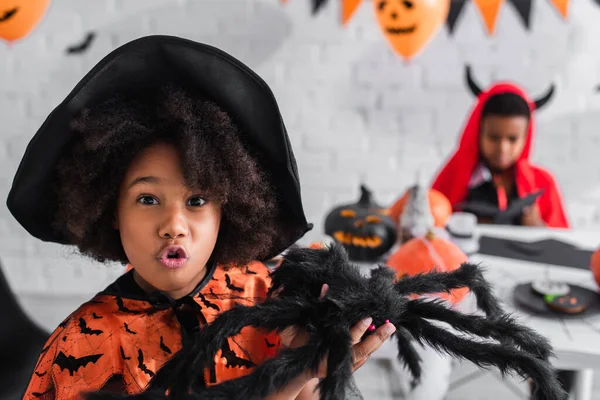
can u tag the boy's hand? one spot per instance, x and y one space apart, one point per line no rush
361 350
531 216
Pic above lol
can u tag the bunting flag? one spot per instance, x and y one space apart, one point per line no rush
489 12
524 10
456 7
562 6
348 9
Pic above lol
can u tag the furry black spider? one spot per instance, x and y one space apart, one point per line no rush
350 298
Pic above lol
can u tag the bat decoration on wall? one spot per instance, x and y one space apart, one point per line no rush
476 90
83 46
8 14
492 339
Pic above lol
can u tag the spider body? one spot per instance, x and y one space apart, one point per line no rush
352 297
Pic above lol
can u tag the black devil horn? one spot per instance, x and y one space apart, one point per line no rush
541 102
472 85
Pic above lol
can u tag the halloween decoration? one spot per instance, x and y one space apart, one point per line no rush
476 90
489 10
348 9
416 218
409 25
350 298
533 303
495 213
462 229
439 206
18 18
567 304
595 266
83 46
427 253
363 228
316 5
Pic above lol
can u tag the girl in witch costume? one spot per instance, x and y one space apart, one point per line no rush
492 164
191 187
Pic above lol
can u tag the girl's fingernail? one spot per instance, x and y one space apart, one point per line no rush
367 321
371 327
387 320
389 328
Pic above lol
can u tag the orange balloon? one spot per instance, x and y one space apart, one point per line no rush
19 17
422 254
409 25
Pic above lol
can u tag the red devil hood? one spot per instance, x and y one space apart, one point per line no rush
453 180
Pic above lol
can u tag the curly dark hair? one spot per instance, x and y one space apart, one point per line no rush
213 155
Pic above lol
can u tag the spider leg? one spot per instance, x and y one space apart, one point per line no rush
501 328
408 355
467 275
484 355
339 365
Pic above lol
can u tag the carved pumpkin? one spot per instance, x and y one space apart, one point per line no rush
423 254
595 266
440 207
363 228
19 17
409 25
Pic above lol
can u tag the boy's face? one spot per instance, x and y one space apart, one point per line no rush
502 140
155 210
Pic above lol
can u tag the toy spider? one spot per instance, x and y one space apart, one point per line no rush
350 298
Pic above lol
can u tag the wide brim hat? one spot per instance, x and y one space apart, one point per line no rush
149 62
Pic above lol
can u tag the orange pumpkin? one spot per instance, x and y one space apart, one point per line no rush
423 254
440 206
409 25
19 17
595 266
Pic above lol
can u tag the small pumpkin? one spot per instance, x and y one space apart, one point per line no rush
440 206
425 253
363 228
595 266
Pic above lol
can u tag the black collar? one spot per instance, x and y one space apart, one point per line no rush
126 287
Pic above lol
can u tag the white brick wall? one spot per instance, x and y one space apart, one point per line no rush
355 111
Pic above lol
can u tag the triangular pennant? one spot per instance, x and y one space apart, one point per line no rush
456 7
348 9
489 11
317 5
523 7
562 6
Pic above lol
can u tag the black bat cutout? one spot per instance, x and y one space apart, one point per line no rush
141 364
64 338
230 285
9 14
95 302
164 347
73 364
123 356
351 297
207 303
233 360
83 46
514 209
64 322
128 330
95 316
269 345
248 271
87 331
124 309
40 375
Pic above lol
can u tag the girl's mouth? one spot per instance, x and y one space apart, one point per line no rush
173 257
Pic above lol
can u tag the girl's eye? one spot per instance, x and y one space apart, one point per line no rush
147 200
196 201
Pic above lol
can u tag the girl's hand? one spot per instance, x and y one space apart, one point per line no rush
361 350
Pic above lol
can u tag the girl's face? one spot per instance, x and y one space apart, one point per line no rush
168 230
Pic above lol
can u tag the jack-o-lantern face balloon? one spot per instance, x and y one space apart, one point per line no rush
409 25
19 17
364 228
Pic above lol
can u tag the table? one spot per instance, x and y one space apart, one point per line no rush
576 342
